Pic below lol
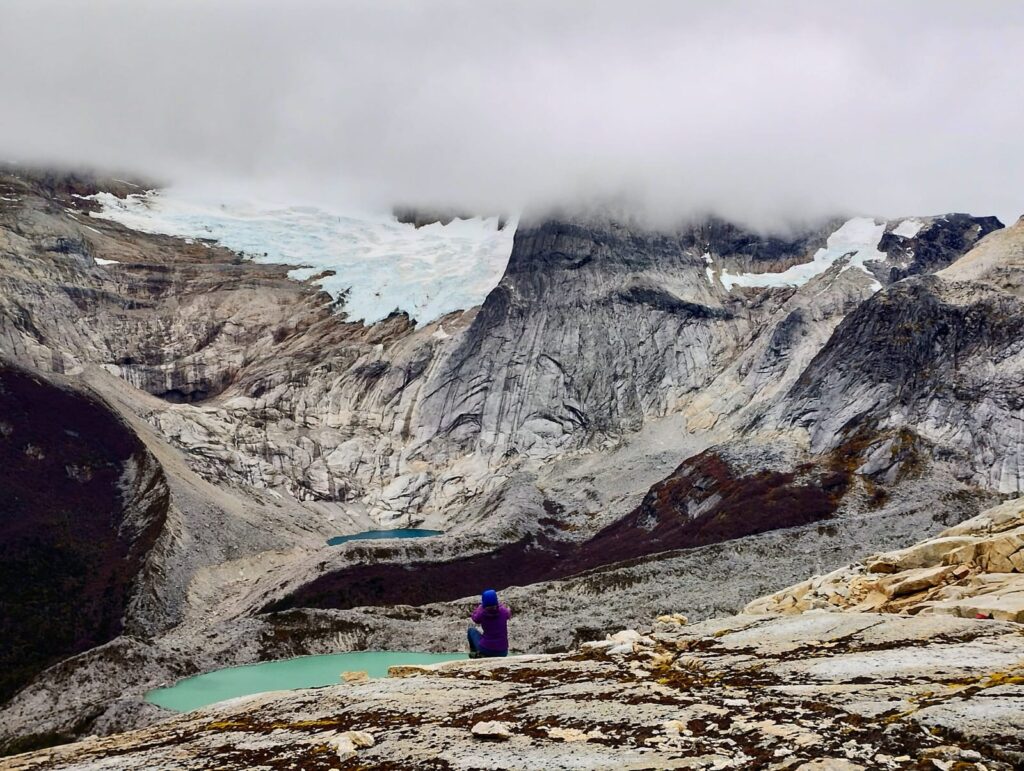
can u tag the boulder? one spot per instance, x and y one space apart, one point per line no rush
625 636
574 734
872 601
599 644
674 727
361 738
345 748
676 619
920 555
623 643
1003 601
492 730
349 742
910 581
1002 553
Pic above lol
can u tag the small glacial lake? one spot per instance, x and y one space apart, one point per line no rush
374 534
301 672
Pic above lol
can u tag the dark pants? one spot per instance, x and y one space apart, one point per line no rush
474 635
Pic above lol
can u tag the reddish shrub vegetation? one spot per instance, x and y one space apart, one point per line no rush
700 503
67 556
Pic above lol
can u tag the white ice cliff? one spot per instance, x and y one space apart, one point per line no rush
383 265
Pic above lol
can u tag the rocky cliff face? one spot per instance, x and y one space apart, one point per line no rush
923 247
521 379
622 396
932 354
596 330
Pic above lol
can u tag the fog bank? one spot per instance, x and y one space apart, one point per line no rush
763 112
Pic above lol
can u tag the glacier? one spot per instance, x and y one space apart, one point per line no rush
380 265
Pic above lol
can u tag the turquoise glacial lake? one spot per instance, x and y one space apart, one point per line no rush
301 672
368 535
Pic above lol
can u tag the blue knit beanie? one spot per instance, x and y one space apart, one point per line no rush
489 598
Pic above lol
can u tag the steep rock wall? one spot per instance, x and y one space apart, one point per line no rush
83 504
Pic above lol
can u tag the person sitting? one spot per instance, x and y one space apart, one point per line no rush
493 617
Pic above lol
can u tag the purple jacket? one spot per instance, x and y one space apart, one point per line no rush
494 621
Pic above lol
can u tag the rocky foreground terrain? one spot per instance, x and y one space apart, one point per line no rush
634 422
973 570
922 684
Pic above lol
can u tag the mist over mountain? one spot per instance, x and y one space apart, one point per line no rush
762 114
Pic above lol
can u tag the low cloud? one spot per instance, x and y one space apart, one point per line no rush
763 112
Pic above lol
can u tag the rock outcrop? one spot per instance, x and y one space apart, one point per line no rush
975 569
521 379
927 245
820 690
938 356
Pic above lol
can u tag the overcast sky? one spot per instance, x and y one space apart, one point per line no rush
765 112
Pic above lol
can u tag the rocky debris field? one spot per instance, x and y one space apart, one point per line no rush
975 569
814 691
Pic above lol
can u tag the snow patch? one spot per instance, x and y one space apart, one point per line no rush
87 227
709 261
101 261
908 228
857 238
380 265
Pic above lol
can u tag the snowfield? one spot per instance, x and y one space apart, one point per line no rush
383 265
857 238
